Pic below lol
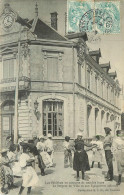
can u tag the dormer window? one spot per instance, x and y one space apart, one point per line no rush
95 55
88 79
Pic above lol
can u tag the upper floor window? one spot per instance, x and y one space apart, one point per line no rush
52 68
79 73
8 68
88 79
107 92
102 89
95 84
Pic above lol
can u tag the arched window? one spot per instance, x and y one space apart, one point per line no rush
8 106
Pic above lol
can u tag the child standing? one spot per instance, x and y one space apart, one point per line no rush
67 152
29 175
97 151
49 147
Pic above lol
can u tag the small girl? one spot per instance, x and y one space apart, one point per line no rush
67 152
97 151
29 175
13 158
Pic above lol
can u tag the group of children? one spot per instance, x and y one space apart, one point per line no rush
19 161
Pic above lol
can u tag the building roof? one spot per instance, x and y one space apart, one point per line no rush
37 26
98 67
44 31
23 22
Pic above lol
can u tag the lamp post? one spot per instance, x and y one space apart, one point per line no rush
17 90
36 112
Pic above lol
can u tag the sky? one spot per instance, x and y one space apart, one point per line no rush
112 45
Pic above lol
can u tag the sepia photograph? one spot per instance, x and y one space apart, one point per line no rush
61 97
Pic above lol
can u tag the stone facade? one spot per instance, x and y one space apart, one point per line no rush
71 90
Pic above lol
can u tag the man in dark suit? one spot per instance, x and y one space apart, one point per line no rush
108 154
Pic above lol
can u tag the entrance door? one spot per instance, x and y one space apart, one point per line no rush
7 124
7 120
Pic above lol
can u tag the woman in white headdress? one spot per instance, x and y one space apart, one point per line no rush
81 161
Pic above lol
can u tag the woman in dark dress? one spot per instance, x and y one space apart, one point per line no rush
81 161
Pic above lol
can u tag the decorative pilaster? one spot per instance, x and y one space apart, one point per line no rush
60 67
25 65
99 125
92 122
102 122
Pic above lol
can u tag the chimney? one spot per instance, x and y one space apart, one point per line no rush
36 10
6 5
54 20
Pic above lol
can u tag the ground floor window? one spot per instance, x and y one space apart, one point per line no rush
53 117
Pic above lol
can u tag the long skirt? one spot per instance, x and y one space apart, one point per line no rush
97 156
46 159
17 169
6 176
29 177
120 161
80 161
40 162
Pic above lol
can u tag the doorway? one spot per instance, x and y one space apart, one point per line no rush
7 120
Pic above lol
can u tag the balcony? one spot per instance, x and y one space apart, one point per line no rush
9 84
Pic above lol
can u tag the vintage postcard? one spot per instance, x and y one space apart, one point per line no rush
61 97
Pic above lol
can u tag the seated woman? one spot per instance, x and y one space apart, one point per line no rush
6 173
81 162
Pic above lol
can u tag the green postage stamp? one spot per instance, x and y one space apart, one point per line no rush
88 16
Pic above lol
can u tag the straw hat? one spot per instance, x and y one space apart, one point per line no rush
49 135
107 129
41 137
79 134
4 150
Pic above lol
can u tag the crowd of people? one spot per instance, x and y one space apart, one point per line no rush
113 148
19 160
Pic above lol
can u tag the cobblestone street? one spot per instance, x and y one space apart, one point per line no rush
60 181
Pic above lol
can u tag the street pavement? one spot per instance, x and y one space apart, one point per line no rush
62 181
